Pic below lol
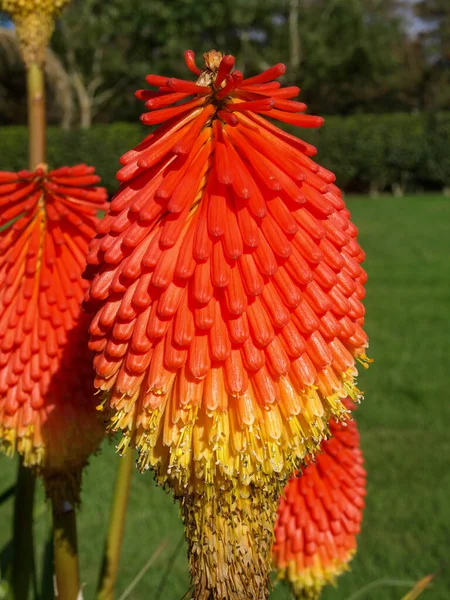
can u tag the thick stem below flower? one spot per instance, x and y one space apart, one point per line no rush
22 566
65 551
230 536
36 115
113 544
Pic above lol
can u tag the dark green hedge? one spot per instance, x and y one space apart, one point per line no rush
391 152
367 152
100 146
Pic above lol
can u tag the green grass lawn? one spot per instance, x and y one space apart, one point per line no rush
404 424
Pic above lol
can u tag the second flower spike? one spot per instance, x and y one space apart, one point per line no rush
47 402
320 514
227 286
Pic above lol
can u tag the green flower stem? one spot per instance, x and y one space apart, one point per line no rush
36 115
23 548
113 543
65 552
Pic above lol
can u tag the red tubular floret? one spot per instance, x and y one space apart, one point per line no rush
289 105
164 100
264 88
226 64
229 118
232 82
189 58
156 80
148 94
167 113
229 86
7 176
187 87
306 121
268 75
253 105
80 169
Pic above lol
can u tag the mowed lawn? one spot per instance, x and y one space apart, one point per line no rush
404 422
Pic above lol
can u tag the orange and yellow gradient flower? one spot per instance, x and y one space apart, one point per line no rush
47 403
227 287
320 515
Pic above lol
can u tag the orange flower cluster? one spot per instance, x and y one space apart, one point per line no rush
320 515
47 409
227 287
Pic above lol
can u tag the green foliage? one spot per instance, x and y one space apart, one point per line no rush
437 156
375 153
101 146
366 152
335 144
369 151
434 41
349 56
405 138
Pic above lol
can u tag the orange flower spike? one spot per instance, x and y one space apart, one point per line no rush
227 284
320 515
47 404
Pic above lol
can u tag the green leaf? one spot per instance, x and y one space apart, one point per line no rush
420 587
7 494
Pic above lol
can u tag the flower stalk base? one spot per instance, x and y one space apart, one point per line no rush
230 537
65 551
22 565
113 544
63 487
36 115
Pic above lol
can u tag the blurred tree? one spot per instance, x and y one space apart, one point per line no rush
435 38
349 56
346 53
436 15
108 48
13 98
350 53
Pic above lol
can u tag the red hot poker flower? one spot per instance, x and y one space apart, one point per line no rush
320 515
228 286
47 408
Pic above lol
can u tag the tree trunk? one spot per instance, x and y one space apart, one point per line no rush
62 87
84 101
398 190
374 189
294 35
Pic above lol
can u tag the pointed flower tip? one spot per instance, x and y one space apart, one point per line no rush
223 88
47 219
320 515
189 57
